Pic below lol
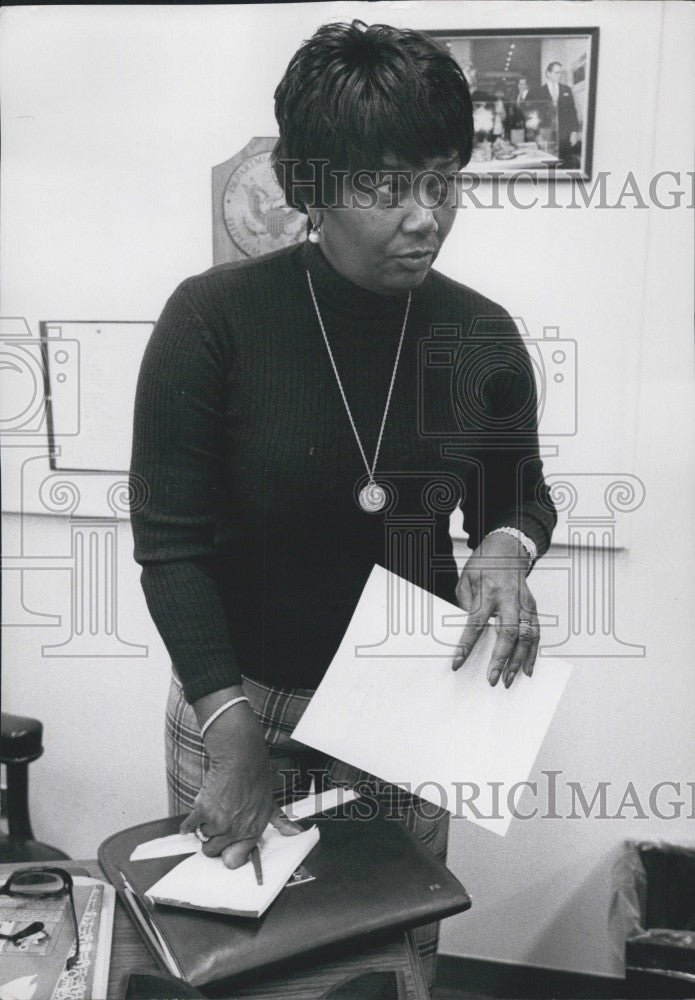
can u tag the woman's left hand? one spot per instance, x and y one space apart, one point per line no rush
493 584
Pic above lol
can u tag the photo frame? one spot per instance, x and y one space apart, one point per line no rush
534 99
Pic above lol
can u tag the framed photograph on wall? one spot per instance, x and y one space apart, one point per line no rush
534 98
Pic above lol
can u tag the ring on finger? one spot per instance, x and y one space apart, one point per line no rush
202 837
525 623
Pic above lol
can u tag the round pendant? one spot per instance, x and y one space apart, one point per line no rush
372 498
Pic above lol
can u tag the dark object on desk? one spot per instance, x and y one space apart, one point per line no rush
653 912
20 744
145 985
371 878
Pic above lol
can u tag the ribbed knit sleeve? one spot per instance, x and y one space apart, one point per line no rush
177 457
500 400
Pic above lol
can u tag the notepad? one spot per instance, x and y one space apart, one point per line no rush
202 883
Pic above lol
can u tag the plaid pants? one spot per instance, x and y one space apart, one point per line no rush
294 764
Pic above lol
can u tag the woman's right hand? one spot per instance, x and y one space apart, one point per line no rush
235 802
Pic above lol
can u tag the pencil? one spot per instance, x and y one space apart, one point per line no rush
256 861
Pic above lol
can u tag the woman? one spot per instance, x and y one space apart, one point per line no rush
285 413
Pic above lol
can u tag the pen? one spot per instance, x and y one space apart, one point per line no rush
256 862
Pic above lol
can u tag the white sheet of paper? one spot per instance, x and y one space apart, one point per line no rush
323 802
208 884
391 705
188 843
166 847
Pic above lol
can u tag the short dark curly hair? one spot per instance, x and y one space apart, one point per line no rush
352 93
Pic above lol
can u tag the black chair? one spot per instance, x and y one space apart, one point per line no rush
20 744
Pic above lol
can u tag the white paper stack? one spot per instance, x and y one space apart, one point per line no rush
203 883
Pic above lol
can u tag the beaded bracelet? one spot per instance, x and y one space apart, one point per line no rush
218 712
527 542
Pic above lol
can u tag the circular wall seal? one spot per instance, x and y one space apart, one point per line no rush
254 210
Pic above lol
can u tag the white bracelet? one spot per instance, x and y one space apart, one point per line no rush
527 542
218 712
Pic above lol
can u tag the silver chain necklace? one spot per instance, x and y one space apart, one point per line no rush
372 497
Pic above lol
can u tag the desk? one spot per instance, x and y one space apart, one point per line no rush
130 952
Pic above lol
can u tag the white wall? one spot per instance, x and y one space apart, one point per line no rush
112 119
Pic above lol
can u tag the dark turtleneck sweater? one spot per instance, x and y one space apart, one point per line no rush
253 547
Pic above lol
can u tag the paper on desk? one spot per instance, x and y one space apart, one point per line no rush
165 847
321 802
391 705
206 883
188 843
